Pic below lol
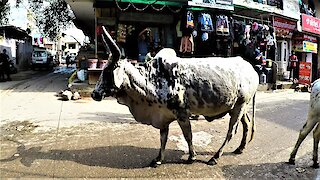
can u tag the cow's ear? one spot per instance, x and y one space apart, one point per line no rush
118 74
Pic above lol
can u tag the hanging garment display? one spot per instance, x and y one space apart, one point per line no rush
222 25
205 36
187 44
190 23
205 22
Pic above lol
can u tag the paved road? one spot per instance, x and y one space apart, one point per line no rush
44 137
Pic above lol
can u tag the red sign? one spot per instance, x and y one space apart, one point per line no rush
284 24
284 27
305 72
310 24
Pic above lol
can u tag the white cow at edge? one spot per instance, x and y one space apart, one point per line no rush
170 88
312 122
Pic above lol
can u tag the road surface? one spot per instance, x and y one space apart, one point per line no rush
44 137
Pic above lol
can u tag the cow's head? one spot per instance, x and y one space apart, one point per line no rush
108 82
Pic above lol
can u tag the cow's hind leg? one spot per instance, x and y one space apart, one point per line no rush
186 130
316 137
302 135
163 140
245 124
236 115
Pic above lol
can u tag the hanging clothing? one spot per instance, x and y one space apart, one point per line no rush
190 23
206 22
187 44
178 30
222 25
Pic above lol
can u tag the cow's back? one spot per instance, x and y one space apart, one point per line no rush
217 83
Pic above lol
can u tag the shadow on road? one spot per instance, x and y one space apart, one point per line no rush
280 170
119 157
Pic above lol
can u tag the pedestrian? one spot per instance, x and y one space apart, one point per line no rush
68 59
143 44
294 65
5 65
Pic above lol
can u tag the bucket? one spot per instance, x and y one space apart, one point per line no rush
92 63
102 63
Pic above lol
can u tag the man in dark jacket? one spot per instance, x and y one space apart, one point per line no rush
5 66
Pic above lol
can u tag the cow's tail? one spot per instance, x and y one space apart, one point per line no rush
253 124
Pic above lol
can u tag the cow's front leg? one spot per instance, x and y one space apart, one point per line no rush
163 140
186 130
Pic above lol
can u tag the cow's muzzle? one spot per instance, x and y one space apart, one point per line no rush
96 95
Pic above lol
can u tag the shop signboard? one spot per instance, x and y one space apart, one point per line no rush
310 47
310 24
305 72
284 27
290 7
305 43
218 4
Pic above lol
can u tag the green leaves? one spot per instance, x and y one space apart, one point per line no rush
51 16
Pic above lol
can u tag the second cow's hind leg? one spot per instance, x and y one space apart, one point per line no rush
236 115
186 130
245 124
309 125
316 137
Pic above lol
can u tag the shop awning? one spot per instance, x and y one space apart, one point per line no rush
13 32
178 3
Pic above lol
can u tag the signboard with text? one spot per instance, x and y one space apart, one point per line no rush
310 24
305 43
218 4
290 7
305 72
310 47
284 27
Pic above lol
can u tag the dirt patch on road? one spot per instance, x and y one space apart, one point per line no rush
17 128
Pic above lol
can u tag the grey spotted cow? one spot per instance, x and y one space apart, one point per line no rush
169 88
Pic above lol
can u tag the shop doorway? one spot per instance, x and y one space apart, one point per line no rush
282 57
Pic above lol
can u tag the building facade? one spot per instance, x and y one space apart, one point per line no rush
198 28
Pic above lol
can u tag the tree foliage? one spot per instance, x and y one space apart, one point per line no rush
4 12
51 16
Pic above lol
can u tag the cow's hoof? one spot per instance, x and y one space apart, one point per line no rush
315 165
212 162
238 151
191 160
291 161
155 163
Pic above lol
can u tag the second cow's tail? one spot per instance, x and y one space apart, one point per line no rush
253 125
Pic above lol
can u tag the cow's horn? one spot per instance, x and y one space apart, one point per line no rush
109 42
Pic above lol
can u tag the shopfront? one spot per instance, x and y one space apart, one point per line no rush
306 45
193 28
284 29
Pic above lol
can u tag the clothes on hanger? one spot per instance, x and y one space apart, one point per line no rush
187 44
205 22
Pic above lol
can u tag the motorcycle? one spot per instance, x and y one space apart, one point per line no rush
13 69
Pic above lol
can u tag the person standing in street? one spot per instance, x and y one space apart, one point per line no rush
5 65
293 59
143 44
68 59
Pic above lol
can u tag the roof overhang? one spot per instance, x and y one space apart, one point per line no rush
85 15
13 32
